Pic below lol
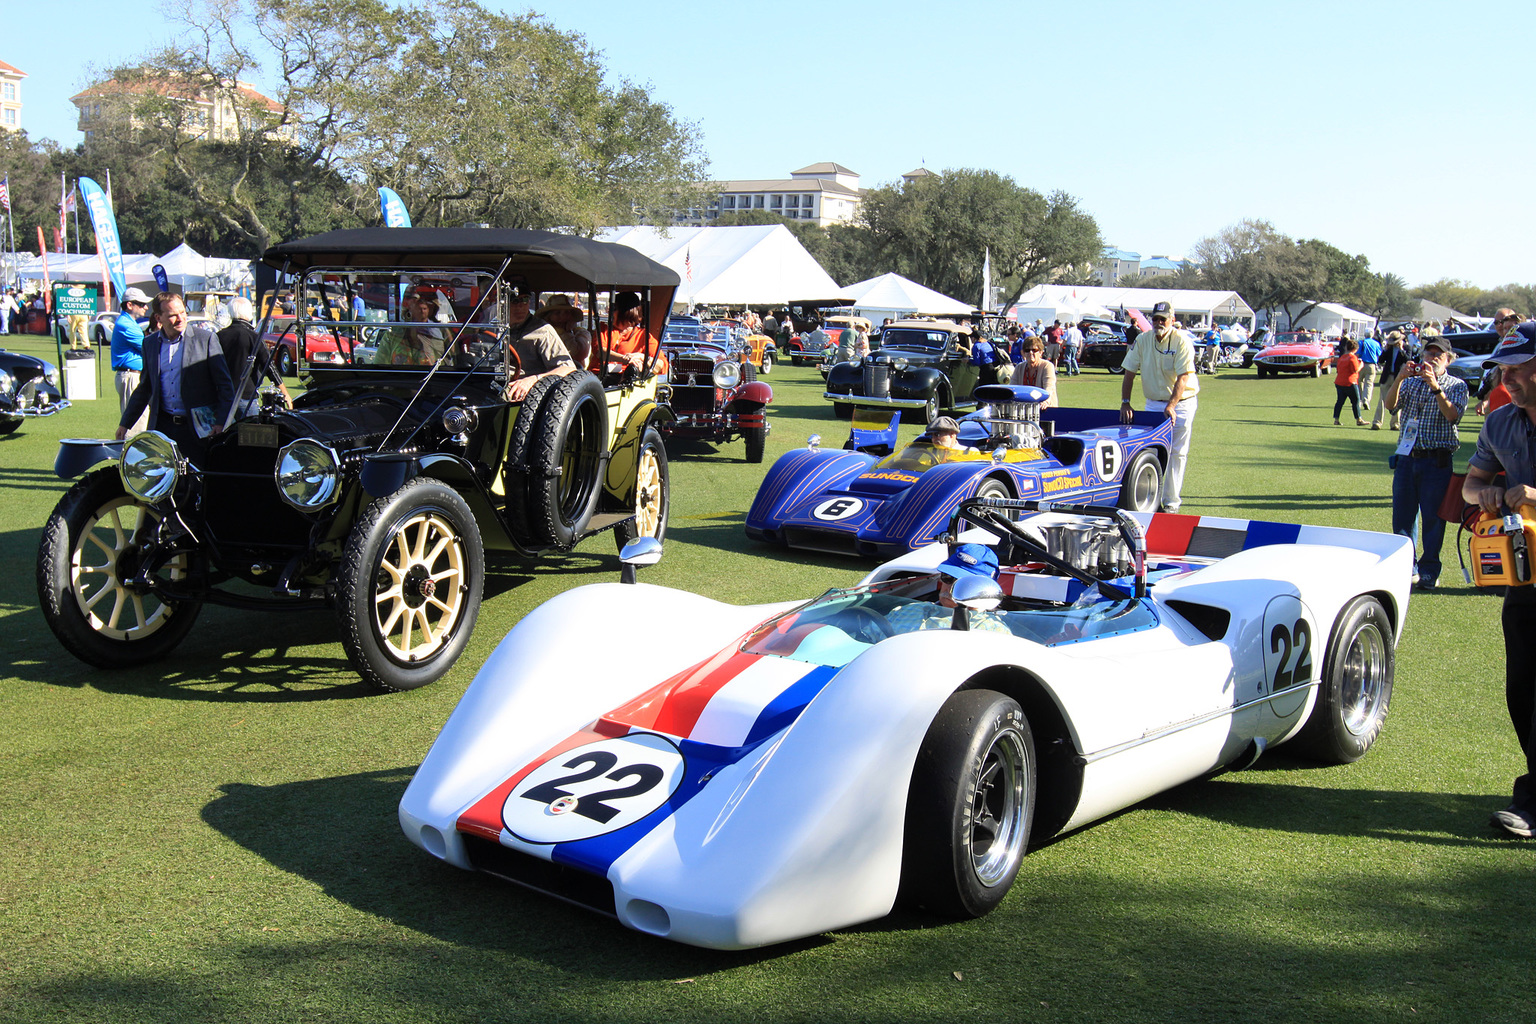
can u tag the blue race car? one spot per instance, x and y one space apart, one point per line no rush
871 499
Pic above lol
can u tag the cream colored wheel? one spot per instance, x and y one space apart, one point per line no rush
652 492
408 589
419 587
89 548
105 549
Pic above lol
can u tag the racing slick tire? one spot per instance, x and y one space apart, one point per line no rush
1142 485
757 442
653 493
554 482
88 545
409 584
993 488
1354 692
969 806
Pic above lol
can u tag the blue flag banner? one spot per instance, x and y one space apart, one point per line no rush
390 205
160 278
105 223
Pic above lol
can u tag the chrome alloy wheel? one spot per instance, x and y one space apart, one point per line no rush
1364 685
997 821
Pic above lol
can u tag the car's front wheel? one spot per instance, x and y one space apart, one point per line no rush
969 806
653 492
408 590
90 547
1355 690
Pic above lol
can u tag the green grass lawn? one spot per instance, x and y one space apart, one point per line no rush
214 838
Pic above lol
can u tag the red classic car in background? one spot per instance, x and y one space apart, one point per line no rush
319 345
712 387
1294 352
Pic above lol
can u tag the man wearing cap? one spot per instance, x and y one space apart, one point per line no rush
1507 445
128 349
976 560
538 346
944 432
558 311
1165 358
1430 402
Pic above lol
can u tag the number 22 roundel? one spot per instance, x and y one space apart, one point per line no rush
594 789
1288 642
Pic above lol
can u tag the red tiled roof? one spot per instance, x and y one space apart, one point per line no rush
7 69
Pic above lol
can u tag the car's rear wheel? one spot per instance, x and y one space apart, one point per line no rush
653 492
1142 484
89 547
969 806
408 589
1355 691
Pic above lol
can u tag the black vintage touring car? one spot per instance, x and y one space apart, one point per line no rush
380 492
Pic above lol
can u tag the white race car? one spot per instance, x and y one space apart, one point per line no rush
777 771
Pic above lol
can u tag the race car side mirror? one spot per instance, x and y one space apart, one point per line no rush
974 593
642 551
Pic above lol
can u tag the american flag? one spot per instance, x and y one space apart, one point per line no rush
69 201
688 263
5 193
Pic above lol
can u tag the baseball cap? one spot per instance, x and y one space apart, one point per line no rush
1162 309
1436 341
135 295
970 560
1515 349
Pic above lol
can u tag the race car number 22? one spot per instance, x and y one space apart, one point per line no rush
593 789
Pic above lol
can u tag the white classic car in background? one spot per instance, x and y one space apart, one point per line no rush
776 771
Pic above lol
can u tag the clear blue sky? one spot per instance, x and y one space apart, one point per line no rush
1385 128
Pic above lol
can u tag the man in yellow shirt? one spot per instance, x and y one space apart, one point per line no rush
1165 358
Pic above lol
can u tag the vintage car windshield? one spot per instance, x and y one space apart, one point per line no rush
400 319
840 625
912 337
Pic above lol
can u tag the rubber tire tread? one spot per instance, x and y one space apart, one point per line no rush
515 469
54 595
757 442
354 602
547 525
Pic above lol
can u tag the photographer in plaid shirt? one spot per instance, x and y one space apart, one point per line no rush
1430 403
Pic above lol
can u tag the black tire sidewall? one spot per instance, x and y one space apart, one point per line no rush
546 522
1324 737
1128 481
937 873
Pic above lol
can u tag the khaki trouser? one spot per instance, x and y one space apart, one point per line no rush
1367 382
126 381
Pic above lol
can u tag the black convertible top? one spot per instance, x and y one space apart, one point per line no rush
531 252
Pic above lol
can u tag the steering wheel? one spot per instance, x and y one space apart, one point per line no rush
865 626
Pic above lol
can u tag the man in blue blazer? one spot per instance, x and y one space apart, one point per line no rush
185 383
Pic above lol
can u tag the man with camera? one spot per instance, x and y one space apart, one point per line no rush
1430 402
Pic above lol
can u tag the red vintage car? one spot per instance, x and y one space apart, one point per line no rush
1295 352
319 345
712 387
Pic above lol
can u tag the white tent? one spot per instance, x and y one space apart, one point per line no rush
894 296
1331 319
750 265
184 267
1068 302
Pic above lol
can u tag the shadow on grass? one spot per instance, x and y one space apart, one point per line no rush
361 858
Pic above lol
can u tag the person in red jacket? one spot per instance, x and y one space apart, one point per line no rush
1346 381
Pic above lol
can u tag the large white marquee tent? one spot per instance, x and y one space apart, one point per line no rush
747 265
1069 302
894 296
184 267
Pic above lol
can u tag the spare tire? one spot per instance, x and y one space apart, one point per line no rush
518 447
553 485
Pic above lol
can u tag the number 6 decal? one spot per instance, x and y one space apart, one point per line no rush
594 789
1106 459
